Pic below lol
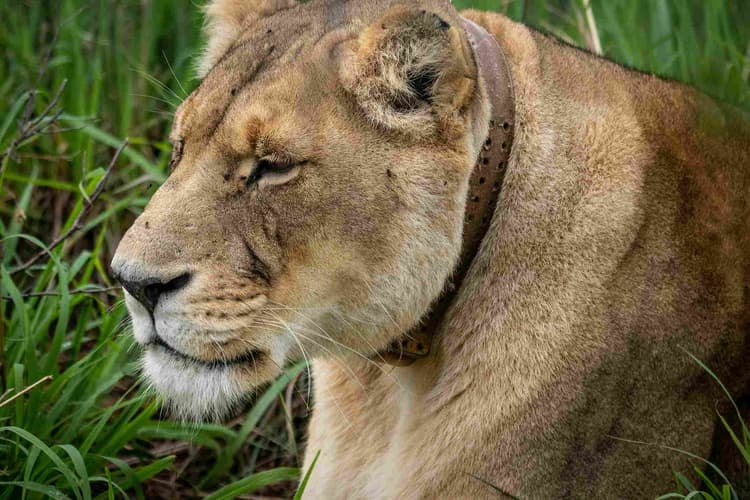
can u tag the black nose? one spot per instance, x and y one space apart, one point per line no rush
147 291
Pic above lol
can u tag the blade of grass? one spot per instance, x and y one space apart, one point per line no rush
303 484
254 482
251 421
47 451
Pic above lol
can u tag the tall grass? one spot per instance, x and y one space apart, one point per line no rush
714 484
73 422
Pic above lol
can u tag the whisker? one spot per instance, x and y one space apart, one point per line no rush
337 359
171 70
279 323
330 395
304 400
155 98
115 305
379 303
343 319
327 337
155 81
302 349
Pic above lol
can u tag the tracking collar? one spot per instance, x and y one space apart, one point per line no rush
484 188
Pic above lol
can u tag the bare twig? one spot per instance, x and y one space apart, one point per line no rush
3 395
25 390
61 130
29 127
78 223
34 156
77 291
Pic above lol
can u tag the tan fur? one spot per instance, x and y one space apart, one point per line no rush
619 244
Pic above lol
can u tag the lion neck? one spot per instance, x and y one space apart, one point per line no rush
485 185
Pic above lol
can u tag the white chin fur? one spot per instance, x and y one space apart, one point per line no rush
193 392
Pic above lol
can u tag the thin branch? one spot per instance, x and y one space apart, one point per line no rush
61 130
25 390
29 127
77 291
52 104
78 223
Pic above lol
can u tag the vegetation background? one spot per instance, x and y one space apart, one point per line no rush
78 77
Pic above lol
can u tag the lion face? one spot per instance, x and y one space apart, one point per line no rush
316 197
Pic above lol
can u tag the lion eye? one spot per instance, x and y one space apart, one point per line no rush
270 167
177 148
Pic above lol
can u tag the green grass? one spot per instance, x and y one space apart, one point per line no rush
73 421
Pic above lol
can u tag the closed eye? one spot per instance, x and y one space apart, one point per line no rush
273 171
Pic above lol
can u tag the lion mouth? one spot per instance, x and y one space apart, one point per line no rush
251 356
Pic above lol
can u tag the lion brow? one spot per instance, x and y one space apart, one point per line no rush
247 77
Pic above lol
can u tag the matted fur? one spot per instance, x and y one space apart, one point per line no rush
620 243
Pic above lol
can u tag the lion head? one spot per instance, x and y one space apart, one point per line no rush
316 195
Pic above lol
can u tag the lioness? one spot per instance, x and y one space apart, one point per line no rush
316 206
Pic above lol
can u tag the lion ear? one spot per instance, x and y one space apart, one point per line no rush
410 70
226 19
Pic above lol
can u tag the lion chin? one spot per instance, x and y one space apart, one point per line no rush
192 392
199 392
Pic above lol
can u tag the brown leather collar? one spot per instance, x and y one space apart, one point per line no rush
484 188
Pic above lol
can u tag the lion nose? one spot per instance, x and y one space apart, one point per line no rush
147 291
